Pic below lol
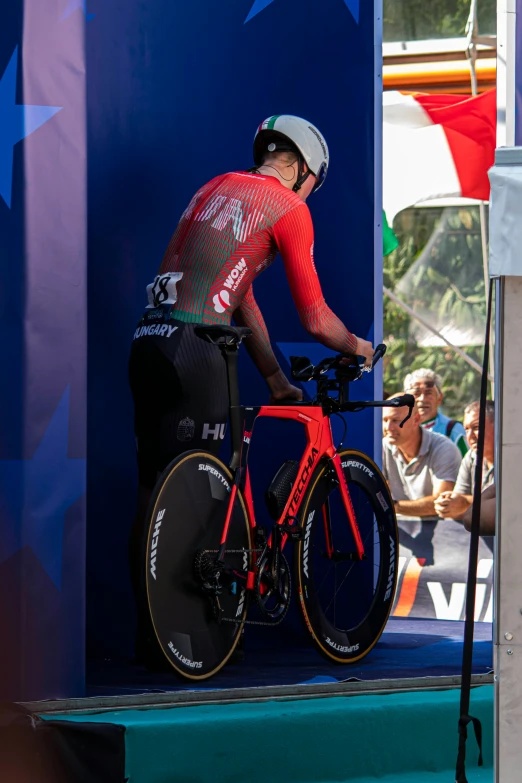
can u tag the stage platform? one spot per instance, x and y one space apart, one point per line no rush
408 648
395 737
412 655
286 714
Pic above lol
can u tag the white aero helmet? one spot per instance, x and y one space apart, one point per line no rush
286 132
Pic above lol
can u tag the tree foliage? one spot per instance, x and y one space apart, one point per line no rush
414 20
437 269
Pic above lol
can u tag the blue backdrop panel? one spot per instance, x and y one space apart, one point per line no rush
43 348
175 93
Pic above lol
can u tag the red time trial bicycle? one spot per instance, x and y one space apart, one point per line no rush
208 562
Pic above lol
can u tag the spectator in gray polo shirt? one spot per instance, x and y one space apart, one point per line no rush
418 464
488 512
455 504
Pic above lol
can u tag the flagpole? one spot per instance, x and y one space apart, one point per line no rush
407 309
471 53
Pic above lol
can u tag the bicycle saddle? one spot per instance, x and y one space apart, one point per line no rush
221 334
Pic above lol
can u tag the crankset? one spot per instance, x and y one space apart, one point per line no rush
273 587
272 592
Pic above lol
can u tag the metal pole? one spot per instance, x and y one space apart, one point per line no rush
507 632
407 309
507 613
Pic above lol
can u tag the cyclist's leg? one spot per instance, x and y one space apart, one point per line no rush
181 402
155 387
200 418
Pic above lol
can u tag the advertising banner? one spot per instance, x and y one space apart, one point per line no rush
433 572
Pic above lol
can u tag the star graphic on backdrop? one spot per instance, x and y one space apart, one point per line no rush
73 6
35 494
17 122
260 5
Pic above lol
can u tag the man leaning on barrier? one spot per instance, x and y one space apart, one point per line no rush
455 504
488 510
418 464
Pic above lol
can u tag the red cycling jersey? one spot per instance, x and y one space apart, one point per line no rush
232 230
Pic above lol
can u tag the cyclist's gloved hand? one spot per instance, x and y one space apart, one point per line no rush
281 388
365 348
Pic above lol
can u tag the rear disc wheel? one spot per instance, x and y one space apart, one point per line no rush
196 627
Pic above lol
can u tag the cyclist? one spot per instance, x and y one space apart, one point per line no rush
232 229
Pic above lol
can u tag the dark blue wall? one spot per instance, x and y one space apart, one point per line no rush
175 93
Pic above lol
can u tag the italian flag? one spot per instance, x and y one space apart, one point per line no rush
436 146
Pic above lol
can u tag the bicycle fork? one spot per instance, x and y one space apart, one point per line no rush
350 513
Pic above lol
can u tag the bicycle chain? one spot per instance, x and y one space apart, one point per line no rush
252 622
234 620
233 551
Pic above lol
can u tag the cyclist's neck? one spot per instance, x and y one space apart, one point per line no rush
286 175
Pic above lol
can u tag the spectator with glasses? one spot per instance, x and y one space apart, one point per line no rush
426 387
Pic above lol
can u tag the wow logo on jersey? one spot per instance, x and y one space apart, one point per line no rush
232 281
221 301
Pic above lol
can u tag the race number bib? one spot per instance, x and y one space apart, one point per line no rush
163 289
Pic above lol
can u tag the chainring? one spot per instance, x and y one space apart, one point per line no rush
273 597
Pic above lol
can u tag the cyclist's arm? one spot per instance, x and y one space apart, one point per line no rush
259 347
258 344
294 236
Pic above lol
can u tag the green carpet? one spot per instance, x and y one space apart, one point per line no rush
474 775
398 737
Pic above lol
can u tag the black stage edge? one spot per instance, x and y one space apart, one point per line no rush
58 751
233 695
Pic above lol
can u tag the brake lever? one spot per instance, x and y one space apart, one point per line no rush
379 352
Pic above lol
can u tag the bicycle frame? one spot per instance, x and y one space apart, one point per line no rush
319 445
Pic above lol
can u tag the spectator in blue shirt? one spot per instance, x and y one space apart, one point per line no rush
426 387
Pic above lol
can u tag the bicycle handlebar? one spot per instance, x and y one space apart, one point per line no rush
378 354
304 370
402 401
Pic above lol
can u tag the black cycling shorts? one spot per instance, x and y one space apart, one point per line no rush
179 386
